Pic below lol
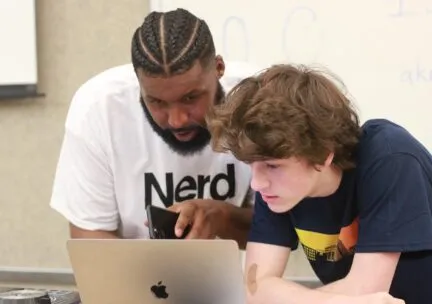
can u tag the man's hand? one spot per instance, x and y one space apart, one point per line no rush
208 219
205 217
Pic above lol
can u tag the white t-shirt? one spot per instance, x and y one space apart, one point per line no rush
111 161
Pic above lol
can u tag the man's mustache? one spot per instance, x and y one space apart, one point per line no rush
193 127
184 129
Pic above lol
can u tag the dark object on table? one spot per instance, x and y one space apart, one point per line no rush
25 296
37 296
64 297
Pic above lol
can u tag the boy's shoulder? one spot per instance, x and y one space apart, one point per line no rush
382 138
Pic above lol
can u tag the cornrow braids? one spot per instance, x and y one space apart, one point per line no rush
170 43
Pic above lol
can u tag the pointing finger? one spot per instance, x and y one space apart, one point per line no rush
176 207
186 216
198 229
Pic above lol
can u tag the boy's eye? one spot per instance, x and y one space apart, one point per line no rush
190 98
270 166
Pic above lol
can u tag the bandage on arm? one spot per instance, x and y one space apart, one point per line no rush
264 260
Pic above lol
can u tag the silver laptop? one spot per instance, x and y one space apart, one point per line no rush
157 271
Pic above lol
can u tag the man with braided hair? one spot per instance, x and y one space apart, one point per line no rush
136 135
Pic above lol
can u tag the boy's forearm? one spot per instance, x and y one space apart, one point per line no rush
275 290
341 287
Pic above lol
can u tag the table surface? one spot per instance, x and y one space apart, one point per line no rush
61 285
64 277
61 279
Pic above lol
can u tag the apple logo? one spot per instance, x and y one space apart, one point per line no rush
159 290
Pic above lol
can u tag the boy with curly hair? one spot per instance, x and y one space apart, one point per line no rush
358 198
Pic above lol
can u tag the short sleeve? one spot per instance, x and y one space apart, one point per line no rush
395 206
271 228
83 190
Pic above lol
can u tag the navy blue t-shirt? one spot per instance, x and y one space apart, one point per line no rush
383 205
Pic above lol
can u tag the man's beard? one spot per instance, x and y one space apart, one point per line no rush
185 148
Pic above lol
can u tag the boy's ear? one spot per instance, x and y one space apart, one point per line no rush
329 160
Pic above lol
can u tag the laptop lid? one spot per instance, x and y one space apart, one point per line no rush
157 271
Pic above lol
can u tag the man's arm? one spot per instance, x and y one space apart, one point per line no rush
78 233
237 224
238 220
83 190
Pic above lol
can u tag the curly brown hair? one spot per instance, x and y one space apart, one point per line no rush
286 111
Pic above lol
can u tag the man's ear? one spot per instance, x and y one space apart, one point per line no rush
220 66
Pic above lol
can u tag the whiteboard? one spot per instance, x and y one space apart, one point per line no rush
381 49
17 43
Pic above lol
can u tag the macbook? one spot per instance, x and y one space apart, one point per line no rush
157 271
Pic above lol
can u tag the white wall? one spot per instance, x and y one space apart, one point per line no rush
18 65
381 49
